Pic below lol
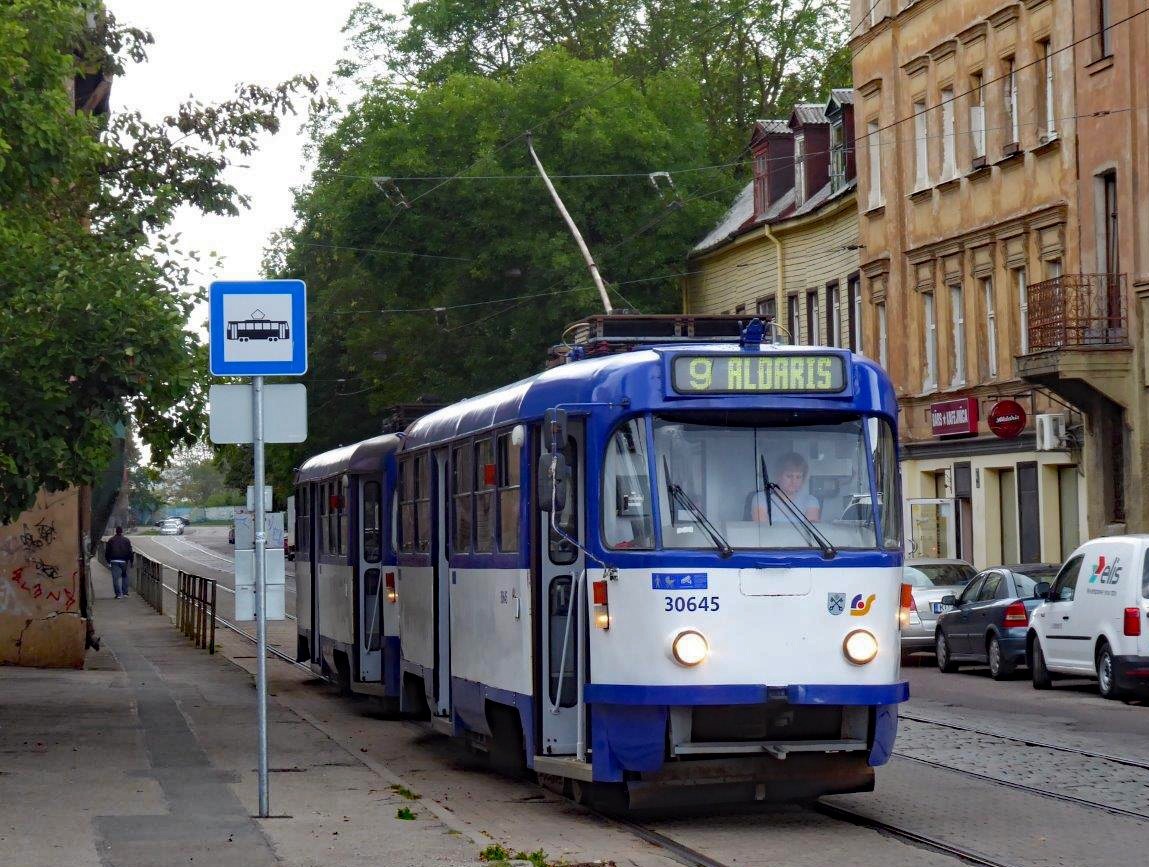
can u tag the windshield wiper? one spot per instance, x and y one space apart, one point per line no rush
676 494
797 515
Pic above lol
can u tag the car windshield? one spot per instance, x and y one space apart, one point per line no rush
944 574
760 480
1027 581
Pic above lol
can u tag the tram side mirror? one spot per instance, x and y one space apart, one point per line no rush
1041 590
553 481
554 430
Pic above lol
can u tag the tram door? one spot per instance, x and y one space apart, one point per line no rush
370 587
315 544
561 567
443 580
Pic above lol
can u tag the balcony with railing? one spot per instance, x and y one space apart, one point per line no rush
1079 345
1078 310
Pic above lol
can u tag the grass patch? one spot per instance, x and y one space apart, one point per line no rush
404 792
494 852
496 855
538 858
404 813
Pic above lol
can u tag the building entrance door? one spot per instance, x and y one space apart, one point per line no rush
932 528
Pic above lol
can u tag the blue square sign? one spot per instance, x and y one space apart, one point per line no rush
258 328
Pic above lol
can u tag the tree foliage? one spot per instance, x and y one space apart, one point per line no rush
94 293
751 59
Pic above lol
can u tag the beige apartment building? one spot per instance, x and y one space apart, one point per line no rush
988 230
787 249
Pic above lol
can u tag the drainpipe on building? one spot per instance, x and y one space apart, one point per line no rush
779 290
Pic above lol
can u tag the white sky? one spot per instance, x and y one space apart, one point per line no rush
204 48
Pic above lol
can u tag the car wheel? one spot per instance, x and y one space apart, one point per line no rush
1040 674
942 648
1106 676
999 667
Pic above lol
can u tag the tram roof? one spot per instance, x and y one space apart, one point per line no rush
360 457
637 375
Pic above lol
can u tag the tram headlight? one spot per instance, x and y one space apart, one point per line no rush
860 646
689 648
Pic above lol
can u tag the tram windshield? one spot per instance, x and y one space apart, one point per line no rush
754 481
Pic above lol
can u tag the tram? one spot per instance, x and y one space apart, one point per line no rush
271 330
345 567
671 569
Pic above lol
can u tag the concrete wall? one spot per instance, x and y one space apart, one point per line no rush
42 570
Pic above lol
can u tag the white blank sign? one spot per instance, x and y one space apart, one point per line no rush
284 413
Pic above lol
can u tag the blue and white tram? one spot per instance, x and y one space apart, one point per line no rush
348 625
676 566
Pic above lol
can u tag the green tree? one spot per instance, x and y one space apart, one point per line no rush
751 59
412 301
93 290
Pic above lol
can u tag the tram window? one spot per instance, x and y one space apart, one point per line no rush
407 532
562 552
423 502
344 516
371 601
302 540
627 520
510 470
562 666
372 522
486 476
886 480
332 520
320 492
462 484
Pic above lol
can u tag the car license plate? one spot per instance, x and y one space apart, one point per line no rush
940 608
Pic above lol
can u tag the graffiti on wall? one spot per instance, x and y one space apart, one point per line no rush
39 555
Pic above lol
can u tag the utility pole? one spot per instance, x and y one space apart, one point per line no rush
574 229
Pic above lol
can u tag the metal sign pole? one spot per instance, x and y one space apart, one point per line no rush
260 589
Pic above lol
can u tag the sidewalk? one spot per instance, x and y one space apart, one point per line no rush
146 758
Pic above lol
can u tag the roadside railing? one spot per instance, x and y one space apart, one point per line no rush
195 609
148 581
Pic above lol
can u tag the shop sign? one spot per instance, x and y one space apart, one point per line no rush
1006 419
954 417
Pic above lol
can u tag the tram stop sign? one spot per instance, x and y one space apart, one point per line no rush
258 328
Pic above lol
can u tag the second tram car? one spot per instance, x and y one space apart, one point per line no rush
678 567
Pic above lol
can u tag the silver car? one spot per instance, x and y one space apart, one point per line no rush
172 527
929 581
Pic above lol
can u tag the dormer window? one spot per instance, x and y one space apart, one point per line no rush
761 190
799 168
837 156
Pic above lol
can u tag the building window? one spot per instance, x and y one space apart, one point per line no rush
957 321
1050 132
1103 20
930 323
1109 262
1010 98
740 309
874 149
977 115
1052 269
854 299
949 137
921 147
813 319
792 319
833 315
1023 309
761 199
799 168
883 341
837 156
990 324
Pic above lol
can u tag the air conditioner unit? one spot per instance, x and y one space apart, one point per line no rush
1052 434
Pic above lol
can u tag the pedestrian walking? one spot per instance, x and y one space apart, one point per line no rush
118 552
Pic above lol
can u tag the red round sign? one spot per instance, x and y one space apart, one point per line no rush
1007 419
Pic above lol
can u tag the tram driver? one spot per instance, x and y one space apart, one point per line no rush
791 478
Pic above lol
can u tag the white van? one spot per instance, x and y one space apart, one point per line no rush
1095 621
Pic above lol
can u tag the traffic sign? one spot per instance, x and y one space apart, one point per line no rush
231 417
258 328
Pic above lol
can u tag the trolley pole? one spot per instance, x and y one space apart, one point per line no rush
260 590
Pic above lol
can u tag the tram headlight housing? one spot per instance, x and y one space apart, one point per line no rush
689 648
860 646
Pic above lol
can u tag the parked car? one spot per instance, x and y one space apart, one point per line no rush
930 580
989 620
1094 622
172 527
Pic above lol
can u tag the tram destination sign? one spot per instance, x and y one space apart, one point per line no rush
776 373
